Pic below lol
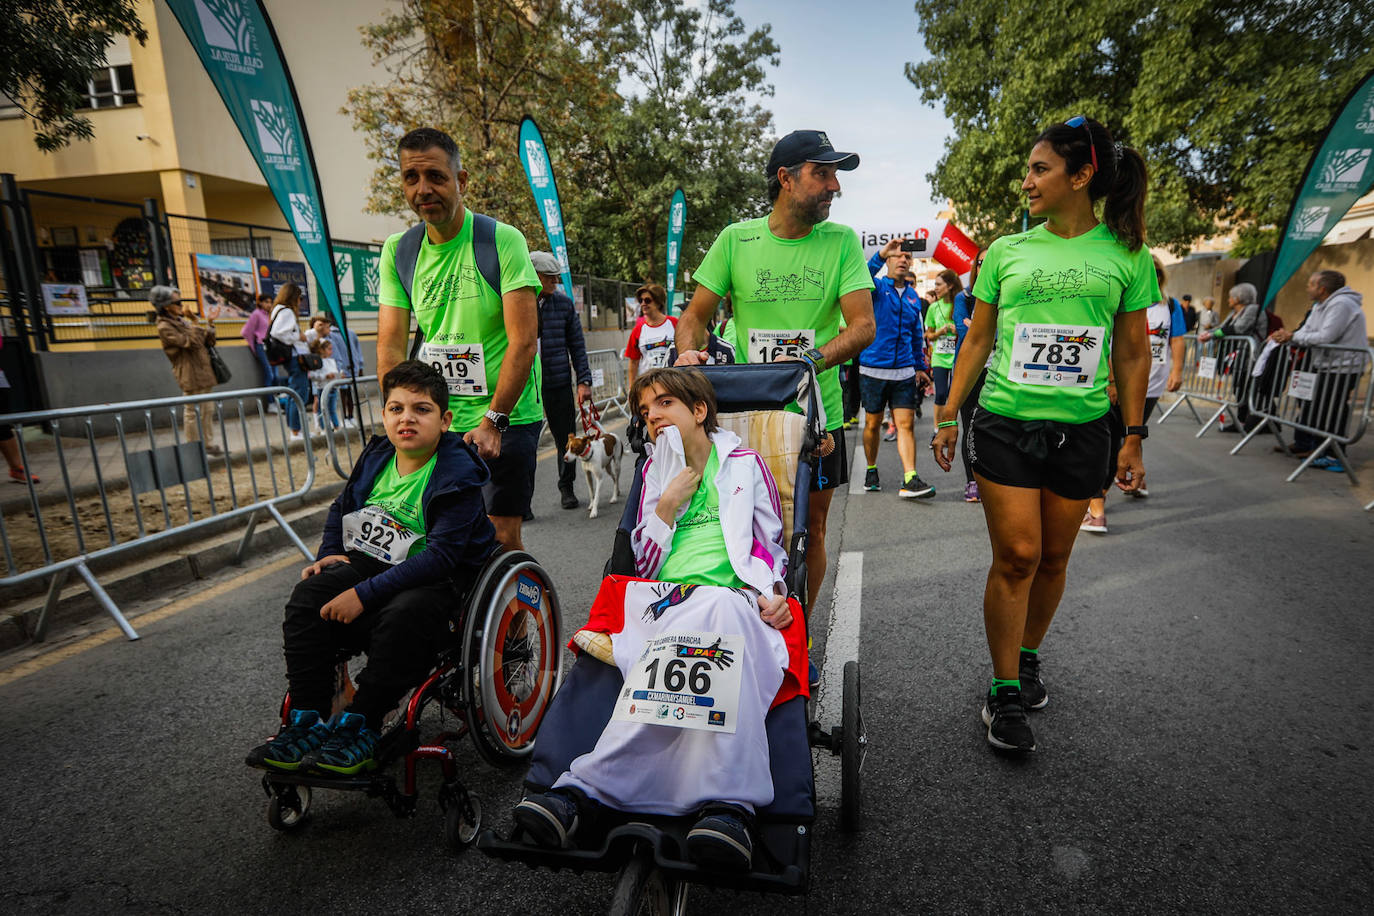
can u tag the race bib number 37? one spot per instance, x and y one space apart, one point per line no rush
464 367
770 346
1063 356
685 680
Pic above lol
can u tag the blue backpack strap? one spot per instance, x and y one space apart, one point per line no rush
483 250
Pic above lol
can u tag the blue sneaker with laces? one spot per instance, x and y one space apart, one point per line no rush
349 749
721 839
302 733
550 818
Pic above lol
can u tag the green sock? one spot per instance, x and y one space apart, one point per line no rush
873 467
1002 683
1030 651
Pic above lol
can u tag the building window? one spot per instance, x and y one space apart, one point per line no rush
111 87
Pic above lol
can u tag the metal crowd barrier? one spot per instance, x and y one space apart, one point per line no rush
1215 372
143 459
1323 391
347 437
609 388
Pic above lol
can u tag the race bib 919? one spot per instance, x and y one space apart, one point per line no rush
463 366
685 680
767 346
1062 356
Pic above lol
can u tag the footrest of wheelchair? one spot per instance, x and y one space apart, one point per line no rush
666 836
374 783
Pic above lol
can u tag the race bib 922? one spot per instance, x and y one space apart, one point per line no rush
372 531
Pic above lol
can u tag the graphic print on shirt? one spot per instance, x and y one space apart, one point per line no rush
807 286
656 352
1046 286
676 595
450 288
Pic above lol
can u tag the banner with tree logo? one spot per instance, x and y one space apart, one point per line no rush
677 225
534 156
236 44
1338 175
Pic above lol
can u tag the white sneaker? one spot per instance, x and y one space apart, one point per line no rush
272 407
295 436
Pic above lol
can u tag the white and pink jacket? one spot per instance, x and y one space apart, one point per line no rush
747 491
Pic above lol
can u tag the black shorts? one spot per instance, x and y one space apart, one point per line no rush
1068 459
878 393
834 470
511 487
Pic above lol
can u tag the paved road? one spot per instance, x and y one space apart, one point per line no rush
1203 749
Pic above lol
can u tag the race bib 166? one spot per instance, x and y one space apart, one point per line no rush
685 680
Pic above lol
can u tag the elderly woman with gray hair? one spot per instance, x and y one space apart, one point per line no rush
1247 318
185 344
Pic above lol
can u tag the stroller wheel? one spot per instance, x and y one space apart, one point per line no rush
642 890
288 806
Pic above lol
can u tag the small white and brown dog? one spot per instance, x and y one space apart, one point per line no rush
600 454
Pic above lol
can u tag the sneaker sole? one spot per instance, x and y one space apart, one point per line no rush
718 850
325 769
545 829
998 744
869 489
1093 529
917 494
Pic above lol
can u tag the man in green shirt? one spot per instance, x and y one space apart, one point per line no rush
483 340
792 277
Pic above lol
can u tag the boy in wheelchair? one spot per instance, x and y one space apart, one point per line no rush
710 532
408 530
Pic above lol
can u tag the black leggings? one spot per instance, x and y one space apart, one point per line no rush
966 417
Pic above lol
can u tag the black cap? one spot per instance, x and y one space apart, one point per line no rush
808 146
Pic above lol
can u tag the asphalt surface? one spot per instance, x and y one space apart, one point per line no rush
1203 749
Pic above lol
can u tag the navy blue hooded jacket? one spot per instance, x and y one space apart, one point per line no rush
560 337
458 535
899 339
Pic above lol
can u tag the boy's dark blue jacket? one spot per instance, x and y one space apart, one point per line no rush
458 535
899 338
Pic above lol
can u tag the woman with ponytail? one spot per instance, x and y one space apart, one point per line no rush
1066 304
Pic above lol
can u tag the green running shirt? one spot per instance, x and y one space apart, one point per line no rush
786 292
1057 300
463 320
698 555
938 315
402 498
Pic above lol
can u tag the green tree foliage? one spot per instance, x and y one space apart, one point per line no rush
634 98
1226 99
686 121
474 70
47 53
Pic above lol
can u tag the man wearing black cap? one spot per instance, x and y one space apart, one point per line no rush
791 276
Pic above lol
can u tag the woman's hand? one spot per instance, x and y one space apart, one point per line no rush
774 611
946 440
1130 466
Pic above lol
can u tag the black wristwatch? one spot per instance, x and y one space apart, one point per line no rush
1141 431
500 420
816 358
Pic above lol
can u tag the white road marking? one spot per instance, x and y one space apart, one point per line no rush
841 645
857 468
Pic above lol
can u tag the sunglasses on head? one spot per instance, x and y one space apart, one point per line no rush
1080 121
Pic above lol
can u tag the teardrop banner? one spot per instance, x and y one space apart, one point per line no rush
239 50
677 226
1340 173
534 156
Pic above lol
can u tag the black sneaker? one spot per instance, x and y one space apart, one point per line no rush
350 748
1033 692
550 818
303 733
871 480
569 500
721 840
1005 716
915 488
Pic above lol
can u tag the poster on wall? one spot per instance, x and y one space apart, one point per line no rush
359 273
224 285
65 299
272 275
95 268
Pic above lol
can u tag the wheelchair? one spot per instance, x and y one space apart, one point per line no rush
648 852
496 678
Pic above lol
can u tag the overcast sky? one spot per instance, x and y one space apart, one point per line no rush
842 71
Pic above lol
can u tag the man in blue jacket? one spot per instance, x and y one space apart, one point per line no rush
560 340
408 530
891 368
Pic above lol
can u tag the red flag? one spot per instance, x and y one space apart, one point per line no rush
955 250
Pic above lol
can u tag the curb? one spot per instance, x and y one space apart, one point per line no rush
172 565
